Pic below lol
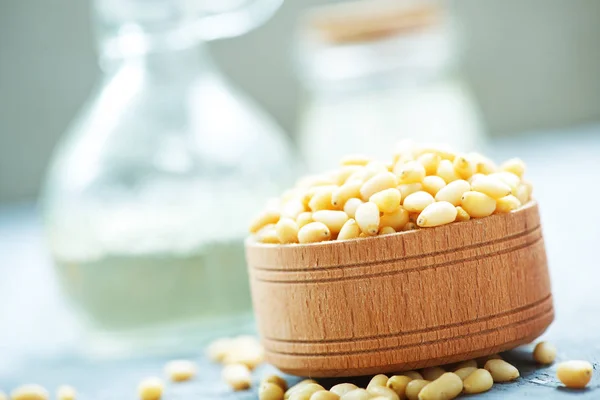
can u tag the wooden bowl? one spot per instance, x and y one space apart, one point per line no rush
402 301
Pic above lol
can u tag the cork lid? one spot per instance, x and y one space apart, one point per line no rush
365 20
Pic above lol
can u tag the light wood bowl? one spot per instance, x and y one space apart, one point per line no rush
402 301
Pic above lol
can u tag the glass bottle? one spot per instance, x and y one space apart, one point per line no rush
149 193
376 72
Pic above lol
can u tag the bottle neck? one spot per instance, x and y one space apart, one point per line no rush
170 52
176 63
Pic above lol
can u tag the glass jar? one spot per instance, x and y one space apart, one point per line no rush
151 190
376 72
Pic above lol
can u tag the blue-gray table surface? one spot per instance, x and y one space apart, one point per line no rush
35 329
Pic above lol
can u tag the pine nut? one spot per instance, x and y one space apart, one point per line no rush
377 380
430 162
342 388
523 193
287 230
413 375
66 392
367 218
574 374
334 220
443 150
509 178
382 391
321 200
515 166
501 370
544 353
351 206
386 230
433 184
398 384
237 376
341 175
265 218
270 391
245 351
464 167
478 205
304 219
356 394
464 372
361 175
478 382
409 188
396 219
452 192
310 192
292 208
151 389
180 370
475 177
29 392
482 360
446 387
306 391
268 234
314 232
432 373
417 201
491 186
355 159
415 386
348 190
387 200
324 395
377 183
350 230
461 214
446 171
507 204
483 164
409 172
277 380
218 349
436 214
297 387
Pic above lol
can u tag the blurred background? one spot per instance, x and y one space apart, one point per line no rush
138 137
532 65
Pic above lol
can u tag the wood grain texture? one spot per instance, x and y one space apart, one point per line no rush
402 301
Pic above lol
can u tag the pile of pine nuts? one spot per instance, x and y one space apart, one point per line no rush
423 186
433 383
429 383
242 354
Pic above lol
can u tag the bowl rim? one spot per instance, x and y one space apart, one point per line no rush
251 242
